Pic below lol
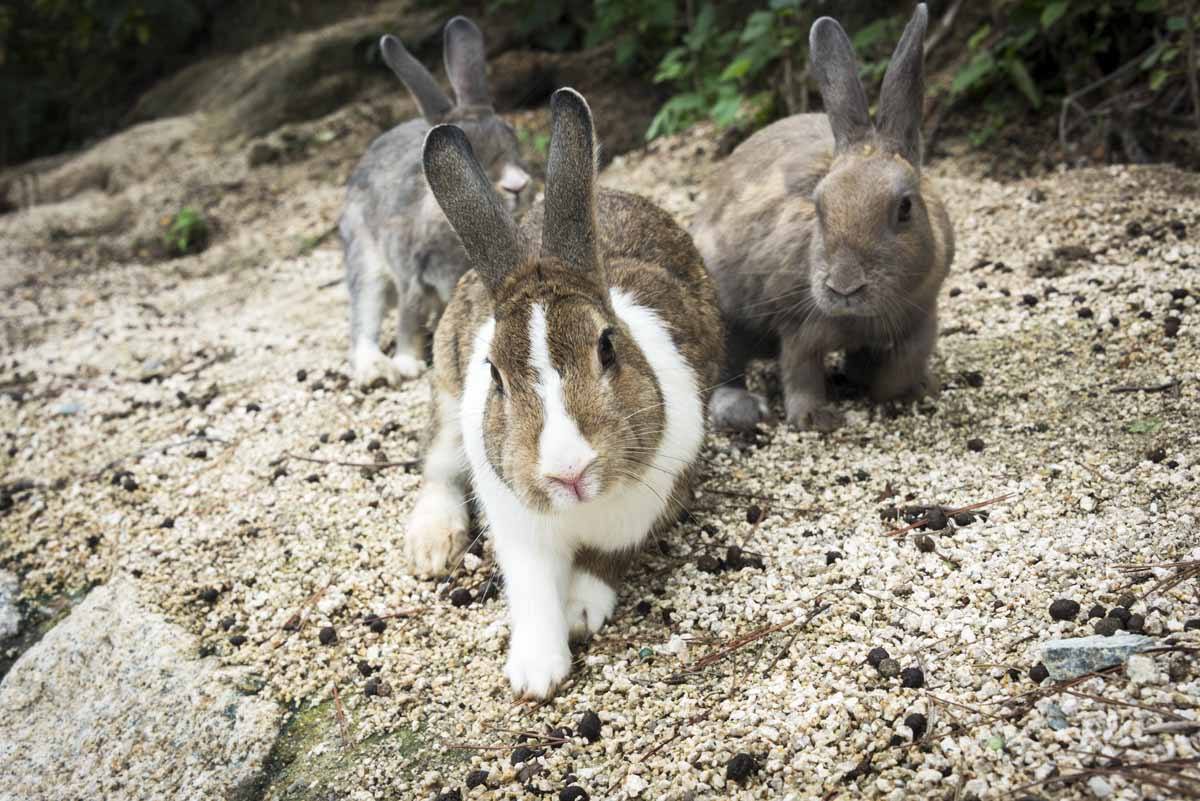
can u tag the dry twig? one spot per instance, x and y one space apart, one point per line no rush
949 513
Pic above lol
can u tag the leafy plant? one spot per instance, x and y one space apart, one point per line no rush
187 233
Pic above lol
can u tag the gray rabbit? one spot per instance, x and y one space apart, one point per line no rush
823 235
398 245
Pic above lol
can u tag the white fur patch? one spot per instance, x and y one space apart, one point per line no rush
590 602
562 450
437 528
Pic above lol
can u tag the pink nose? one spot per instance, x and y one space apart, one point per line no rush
571 481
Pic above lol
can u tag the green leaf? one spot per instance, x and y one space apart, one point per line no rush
978 37
739 67
871 34
996 742
1158 78
1020 76
1151 58
1053 12
1176 24
758 26
973 73
1149 425
1149 6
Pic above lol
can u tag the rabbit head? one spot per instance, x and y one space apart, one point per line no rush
492 139
573 404
874 244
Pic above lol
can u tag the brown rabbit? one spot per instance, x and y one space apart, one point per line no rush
569 386
823 235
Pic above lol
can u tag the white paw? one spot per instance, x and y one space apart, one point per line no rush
436 531
408 366
369 364
537 664
589 605
736 409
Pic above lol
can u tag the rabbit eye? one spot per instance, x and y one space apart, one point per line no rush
496 379
904 212
604 349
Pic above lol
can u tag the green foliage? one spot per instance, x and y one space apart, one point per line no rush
1041 48
186 233
70 67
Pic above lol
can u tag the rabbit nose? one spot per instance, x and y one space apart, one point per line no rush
571 478
845 289
513 179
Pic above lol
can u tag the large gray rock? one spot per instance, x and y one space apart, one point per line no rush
1066 659
10 618
113 703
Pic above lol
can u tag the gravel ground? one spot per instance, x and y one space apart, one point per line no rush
188 424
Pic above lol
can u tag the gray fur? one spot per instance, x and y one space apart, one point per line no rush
570 234
805 238
899 115
494 247
398 246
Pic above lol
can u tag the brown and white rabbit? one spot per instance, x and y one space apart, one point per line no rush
398 246
823 235
570 382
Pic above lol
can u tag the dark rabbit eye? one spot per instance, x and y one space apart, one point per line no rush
904 212
608 356
496 379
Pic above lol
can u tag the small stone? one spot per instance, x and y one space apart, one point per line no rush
476 778
253 407
912 677
1085 313
975 445
643 608
740 768
1069 658
209 595
707 563
1178 669
1036 195
301 376
227 623
753 515
348 436
1156 455
1171 326
371 687
573 793
374 445
1029 300
877 655
918 723
924 543
589 726
1133 229
1140 669
237 640
1038 673
888 668
963 519
378 626
1127 600
1096 611
1192 624
128 484
1179 293
832 556
167 522
1120 613
1064 609
328 635
450 795
1107 626
1136 623
461 597
365 668
1099 787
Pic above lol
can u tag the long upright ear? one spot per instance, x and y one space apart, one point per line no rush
466 62
898 118
494 245
832 61
570 228
429 96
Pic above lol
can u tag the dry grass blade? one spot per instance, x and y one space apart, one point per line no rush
340 713
1166 774
293 622
1180 572
372 465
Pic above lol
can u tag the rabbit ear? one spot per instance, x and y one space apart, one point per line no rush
466 62
832 61
903 94
570 229
429 96
494 246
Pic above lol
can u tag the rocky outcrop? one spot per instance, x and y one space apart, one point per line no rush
114 703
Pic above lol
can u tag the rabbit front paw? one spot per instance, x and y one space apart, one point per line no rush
537 664
408 366
590 603
437 530
814 417
369 364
